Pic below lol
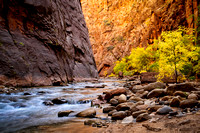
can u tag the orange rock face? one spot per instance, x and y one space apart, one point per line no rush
115 27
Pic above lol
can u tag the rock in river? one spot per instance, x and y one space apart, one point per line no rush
64 113
119 115
113 93
89 113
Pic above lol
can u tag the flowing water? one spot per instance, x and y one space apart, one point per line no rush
18 111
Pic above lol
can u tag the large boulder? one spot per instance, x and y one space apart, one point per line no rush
118 115
89 113
156 93
113 93
185 87
188 103
152 86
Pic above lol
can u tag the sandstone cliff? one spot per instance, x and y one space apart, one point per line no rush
44 42
118 26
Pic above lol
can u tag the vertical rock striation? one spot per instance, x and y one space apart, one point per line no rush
44 42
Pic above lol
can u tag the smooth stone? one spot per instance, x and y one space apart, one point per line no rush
127 120
135 114
188 103
64 113
118 115
111 112
108 109
175 102
143 117
180 93
156 93
193 96
164 110
124 106
152 86
89 113
113 102
122 98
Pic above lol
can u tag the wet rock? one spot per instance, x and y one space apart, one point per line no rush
193 96
135 114
127 120
108 109
59 100
97 86
122 98
188 103
185 87
64 113
124 106
118 115
111 112
48 103
180 93
164 110
83 101
27 93
152 86
175 102
113 93
113 102
156 93
89 113
143 117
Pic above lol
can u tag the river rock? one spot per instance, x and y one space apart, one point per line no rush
152 86
142 107
111 112
165 98
59 100
124 106
48 103
113 93
135 99
156 93
64 113
180 93
89 113
127 120
164 110
27 93
113 102
108 109
118 115
185 87
135 114
188 103
143 117
193 96
122 98
175 102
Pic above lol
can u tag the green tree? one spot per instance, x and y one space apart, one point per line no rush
175 50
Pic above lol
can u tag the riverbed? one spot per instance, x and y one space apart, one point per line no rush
26 109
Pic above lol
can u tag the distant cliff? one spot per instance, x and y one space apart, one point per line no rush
44 42
118 26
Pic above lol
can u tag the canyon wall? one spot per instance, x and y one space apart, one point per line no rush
118 26
44 42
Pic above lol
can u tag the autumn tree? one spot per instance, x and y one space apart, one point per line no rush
176 50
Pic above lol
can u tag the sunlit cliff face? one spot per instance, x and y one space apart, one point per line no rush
115 27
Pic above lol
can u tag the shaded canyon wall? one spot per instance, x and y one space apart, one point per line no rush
44 42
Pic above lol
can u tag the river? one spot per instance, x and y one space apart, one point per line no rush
19 111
